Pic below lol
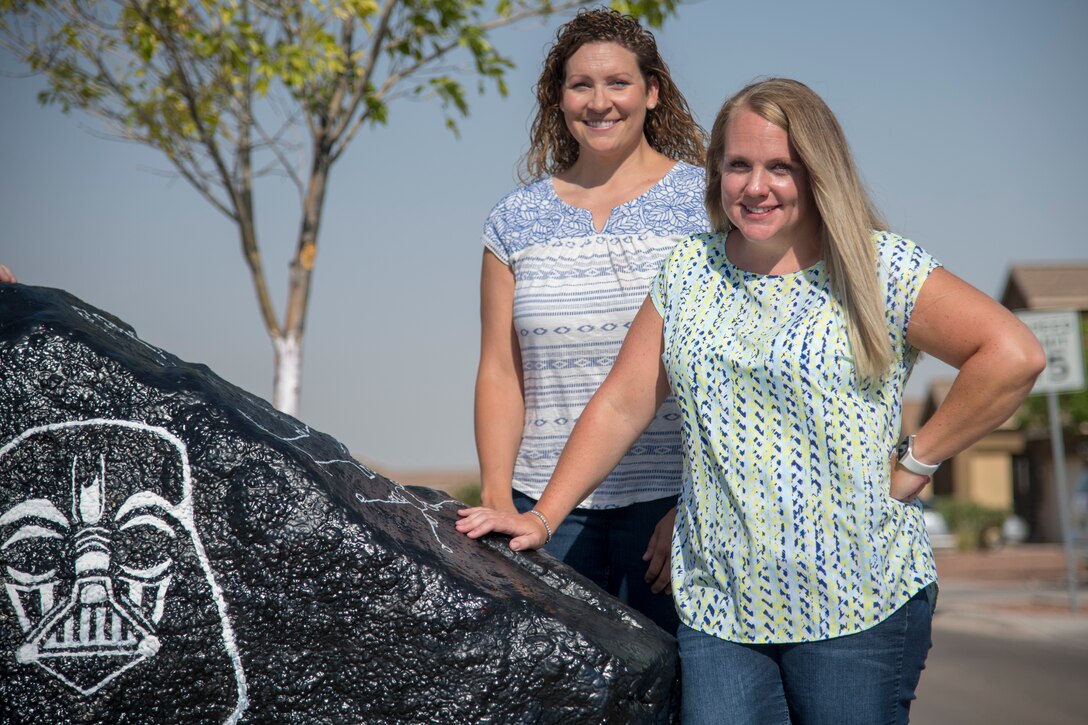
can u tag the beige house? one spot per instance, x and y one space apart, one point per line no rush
984 473
1049 287
1012 469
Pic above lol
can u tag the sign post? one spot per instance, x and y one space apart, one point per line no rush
1059 334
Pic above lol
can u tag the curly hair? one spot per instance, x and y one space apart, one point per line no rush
669 127
848 216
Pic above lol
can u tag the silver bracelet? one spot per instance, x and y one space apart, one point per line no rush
544 521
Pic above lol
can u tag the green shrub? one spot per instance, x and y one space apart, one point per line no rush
974 525
468 495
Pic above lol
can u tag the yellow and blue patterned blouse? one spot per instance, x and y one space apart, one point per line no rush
785 530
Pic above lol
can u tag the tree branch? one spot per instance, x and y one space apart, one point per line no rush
274 144
240 198
377 38
397 76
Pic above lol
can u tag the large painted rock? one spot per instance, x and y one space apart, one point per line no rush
175 550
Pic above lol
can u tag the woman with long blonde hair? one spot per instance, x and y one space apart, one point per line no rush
802 571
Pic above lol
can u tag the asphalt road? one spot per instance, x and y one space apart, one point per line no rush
982 679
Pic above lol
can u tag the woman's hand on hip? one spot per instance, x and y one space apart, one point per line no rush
905 485
659 554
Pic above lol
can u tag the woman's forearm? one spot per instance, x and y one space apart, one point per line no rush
618 412
603 435
499 417
997 356
615 417
989 388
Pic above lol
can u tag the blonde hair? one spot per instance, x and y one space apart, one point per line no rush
669 127
847 214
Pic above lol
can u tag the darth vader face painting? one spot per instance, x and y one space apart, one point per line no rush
107 585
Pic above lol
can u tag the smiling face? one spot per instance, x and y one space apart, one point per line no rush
604 99
765 188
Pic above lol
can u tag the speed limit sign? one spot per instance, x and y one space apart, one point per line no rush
1059 334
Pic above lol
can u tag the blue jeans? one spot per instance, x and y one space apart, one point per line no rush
867 678
606 547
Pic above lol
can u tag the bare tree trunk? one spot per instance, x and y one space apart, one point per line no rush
287 376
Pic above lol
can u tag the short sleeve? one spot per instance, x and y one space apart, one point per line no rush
522 218
904 268
659 288
680 270
493 233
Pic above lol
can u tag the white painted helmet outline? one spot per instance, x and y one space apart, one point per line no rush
182 512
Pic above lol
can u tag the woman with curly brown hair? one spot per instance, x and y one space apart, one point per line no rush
614 163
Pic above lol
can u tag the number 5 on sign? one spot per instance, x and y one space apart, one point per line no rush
1059 334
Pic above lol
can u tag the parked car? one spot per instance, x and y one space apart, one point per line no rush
940 536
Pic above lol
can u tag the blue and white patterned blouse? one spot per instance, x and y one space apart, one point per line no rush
576 293
786 531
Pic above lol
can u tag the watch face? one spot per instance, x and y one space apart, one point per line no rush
901 449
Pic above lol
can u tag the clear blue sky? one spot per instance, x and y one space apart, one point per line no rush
966 117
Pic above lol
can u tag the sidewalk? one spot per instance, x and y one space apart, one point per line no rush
1016 592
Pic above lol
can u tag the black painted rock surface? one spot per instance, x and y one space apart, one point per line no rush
174 550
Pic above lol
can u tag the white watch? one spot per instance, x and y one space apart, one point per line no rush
905 453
